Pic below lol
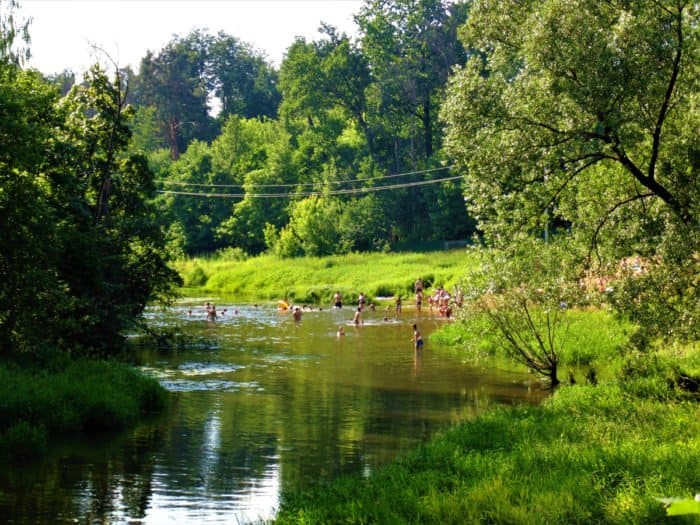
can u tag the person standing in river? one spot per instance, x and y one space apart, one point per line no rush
337 299
357 318
417 338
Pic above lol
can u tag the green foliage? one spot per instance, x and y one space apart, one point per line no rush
195 278
66 397
79 240
663 298
23 441
582 115
521 297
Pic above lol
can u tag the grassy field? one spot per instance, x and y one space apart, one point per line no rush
313 280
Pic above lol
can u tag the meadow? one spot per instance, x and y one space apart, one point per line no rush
314 280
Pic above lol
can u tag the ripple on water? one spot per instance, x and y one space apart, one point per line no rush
208 385
205 369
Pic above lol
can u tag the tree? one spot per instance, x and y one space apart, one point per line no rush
12 52
241 79
411 46
81 250
579 106
111 259
175 82
28 223
318 78
523 293
584 115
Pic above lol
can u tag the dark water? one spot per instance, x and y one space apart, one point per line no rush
261 403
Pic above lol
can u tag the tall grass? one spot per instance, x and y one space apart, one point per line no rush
69 397
315 279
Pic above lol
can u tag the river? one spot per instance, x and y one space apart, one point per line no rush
261 403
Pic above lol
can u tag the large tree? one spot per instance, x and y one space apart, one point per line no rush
244 83
411 46
176 83
584 112
585 115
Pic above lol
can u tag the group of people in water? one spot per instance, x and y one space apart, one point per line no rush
439 300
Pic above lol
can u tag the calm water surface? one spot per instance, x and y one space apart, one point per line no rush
261 403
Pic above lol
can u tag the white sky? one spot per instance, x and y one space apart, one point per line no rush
62 31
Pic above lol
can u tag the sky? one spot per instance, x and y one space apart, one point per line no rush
64 32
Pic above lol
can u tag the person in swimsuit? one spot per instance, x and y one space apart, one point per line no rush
417 338
337 299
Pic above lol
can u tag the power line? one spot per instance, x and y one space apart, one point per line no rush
195 184
352 191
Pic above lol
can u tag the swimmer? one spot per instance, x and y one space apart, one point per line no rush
297 313
340 332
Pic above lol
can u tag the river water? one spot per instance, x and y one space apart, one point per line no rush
261 403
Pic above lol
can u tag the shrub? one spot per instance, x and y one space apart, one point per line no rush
196 277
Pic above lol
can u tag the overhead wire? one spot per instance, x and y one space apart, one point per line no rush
281 185
348 191
301 184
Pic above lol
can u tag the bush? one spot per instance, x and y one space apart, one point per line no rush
82 396
23 441
196 277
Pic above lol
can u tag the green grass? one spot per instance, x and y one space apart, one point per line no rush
587 455
315 279
69 397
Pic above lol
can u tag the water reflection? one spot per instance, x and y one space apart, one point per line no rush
259 403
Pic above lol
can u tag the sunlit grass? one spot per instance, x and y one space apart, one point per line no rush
315 279
588 455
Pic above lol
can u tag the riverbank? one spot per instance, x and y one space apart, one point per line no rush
587 455
314 280
607 449
62 397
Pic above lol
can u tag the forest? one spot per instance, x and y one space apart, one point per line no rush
249 156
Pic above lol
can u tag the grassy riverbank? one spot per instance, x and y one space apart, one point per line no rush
601 453
65 397
587 455
314 280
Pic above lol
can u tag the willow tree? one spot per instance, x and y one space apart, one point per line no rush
584 113
579 107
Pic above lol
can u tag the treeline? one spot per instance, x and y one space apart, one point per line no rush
296 153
